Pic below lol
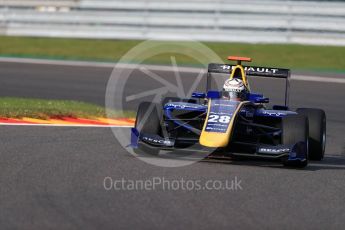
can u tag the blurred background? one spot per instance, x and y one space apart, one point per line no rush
302 35
269 21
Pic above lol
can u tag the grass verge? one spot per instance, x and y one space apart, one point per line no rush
43 109
297 57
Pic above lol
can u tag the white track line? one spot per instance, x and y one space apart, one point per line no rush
98 64
318 79
57 62
151 67
65 125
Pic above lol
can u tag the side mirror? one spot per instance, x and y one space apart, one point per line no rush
198 95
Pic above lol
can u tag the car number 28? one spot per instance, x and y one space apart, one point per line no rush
219 119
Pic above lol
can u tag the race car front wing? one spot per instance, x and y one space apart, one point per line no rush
297 152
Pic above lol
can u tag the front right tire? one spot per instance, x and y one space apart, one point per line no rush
148 118
148 121
295 130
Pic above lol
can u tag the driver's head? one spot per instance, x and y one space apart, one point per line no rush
234 89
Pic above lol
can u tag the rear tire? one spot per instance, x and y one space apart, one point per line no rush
317 132
294 130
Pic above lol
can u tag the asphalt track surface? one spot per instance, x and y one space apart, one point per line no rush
53 177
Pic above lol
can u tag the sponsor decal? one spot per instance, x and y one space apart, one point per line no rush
221 113
252 69
225 105
273 113
273 150
184 106
157 141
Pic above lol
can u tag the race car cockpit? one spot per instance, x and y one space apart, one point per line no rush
236 88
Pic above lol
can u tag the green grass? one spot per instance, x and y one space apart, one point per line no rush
297 57
43 109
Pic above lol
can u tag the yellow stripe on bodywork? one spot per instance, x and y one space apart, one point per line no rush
218 140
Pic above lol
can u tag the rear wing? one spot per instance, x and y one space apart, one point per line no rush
250 70
253 71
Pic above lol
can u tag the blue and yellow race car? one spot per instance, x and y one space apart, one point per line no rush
233 122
